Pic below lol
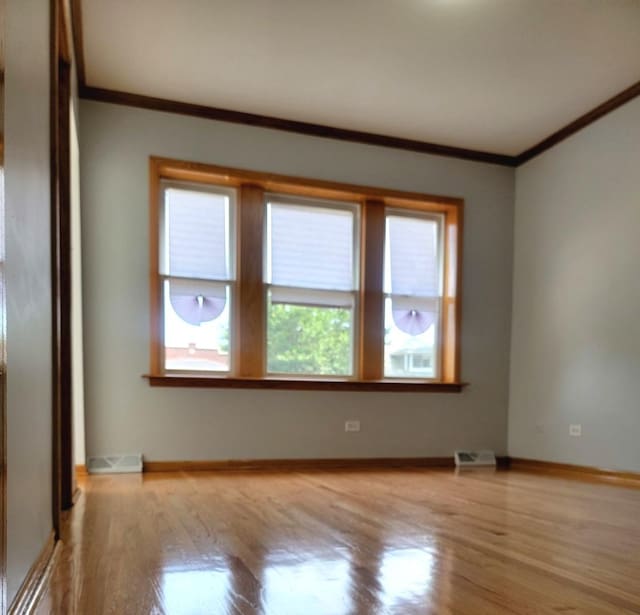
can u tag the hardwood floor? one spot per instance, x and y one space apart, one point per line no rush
380 542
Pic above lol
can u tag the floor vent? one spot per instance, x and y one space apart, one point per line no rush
115 464
475 458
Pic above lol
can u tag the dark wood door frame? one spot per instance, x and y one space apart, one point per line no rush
64 281
3 405
62 417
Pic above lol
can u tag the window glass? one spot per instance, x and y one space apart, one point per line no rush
196 326
304 339
197 270
412 284
311 299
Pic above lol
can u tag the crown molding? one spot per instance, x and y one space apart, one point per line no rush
584 120
275 123
330 132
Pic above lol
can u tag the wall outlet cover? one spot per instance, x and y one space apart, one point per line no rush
575 430
352 425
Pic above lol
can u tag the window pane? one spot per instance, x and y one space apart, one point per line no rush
410 354
309 340
197 231
411 256
196 326
412 281
310 246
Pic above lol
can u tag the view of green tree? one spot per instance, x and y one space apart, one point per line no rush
309 340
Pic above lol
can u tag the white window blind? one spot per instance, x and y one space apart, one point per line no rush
197 233
310 247
414 268
412 276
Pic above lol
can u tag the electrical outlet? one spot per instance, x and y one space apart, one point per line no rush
575 430
352 426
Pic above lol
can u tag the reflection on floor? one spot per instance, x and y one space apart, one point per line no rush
332 543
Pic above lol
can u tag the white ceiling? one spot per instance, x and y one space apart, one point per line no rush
493 75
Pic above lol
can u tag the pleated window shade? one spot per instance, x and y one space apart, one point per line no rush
196 263
197 234
310 258
413 272
413 256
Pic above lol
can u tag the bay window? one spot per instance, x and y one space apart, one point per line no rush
274 281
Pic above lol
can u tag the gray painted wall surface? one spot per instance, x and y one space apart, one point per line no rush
576 340
125 415
28 275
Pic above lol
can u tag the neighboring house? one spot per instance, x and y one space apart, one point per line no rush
190 358
416 361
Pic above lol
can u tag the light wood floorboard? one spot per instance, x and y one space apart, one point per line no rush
347 542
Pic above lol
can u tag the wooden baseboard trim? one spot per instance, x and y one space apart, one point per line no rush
31 589
81 469
295 465
589 473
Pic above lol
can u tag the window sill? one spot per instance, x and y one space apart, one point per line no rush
215 382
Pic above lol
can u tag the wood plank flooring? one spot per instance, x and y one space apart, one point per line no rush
345 542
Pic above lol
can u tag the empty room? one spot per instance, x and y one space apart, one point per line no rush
319 308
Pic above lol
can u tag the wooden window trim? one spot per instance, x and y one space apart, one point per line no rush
371 290
303 384
249 352
249 339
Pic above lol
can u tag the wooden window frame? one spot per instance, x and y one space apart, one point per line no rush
248 318
164 275
338 205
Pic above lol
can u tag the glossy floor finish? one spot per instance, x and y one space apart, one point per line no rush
329 543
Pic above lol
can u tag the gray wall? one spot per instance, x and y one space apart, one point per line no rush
125 415
28 273
576 338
